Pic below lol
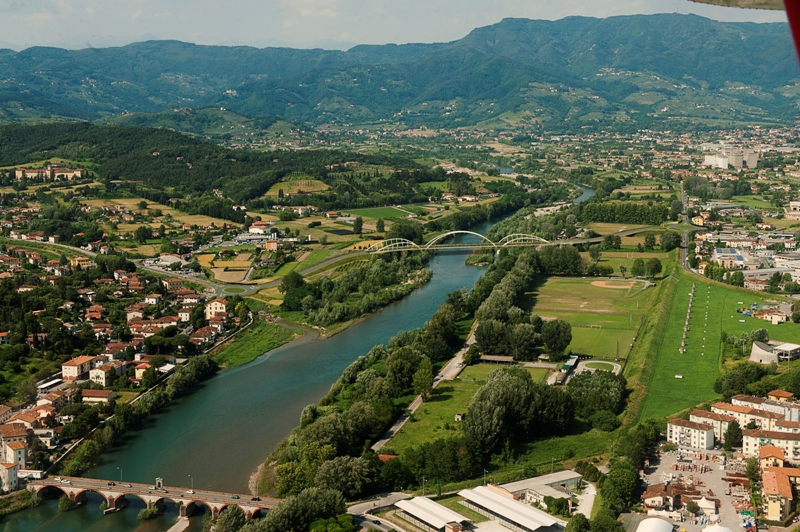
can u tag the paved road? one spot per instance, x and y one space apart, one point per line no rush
361 510
583 367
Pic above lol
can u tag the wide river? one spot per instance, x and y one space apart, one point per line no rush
216 437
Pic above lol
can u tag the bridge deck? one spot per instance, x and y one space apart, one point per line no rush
115 489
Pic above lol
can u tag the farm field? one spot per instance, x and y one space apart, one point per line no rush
609 229
700 365
177 216
297 185
433 418
601 313
379 212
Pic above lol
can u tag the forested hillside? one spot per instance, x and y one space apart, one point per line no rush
624 72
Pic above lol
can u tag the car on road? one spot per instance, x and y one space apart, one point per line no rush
255 498
127 485
151 488
57 479
376 521
235 497
65 481
190 492
112 483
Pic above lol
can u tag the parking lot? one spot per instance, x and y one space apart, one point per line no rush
705 473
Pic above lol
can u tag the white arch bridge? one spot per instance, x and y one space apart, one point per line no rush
438 243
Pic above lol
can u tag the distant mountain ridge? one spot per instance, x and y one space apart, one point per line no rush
628 71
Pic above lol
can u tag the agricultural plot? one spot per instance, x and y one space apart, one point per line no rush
713 311
177 216
603 314
297 186
379 212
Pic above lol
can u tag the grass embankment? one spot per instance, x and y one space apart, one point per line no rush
253 342
16 501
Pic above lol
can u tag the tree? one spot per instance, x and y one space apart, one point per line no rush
143 233
594 253
736 278
637 270
345 474
557 335
578 523
670 240
653 267
692 507
142 205
623 270
649 241
423 379
380 226
291 281
358 225
753 470
230 520
733 436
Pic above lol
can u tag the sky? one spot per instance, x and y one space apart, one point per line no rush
98 23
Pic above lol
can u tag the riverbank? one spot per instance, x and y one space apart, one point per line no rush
253 342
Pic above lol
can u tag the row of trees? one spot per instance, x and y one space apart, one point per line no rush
625 213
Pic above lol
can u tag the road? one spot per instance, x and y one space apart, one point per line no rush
361 510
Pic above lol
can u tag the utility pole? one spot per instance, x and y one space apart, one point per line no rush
423 485
553 464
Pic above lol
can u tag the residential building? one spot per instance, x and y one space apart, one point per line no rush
754 439
770 456
744 415
718 421
77 368
778 499
216 306
690 434
8 476
99 396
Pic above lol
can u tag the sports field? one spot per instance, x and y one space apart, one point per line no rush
603 314
700 365
434 417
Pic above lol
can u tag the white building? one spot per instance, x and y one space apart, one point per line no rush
498 504
716 420
753 440
690 434
430 516
8 476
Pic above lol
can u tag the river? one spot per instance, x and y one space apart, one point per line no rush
216 437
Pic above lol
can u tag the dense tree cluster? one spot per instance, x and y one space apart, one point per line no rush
599 397
362 289
511 407
625 213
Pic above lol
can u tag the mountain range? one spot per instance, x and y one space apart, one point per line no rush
575 73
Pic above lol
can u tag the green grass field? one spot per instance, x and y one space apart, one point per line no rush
600 316
379 212
700 365
434 417
252 343
754 202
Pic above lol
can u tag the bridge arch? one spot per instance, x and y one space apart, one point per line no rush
193 505
79 495
392 244
41 491
433 242
519 238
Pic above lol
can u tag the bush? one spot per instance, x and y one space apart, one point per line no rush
149 513
65 504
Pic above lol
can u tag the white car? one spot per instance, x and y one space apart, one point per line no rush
190 492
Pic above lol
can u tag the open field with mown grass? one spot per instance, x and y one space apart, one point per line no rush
435 418
600 316
701 363
615 259
610 229
253 342
753 201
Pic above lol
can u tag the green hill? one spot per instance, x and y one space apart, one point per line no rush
620 72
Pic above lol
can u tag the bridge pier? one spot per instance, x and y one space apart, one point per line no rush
115 505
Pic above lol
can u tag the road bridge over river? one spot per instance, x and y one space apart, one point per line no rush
514 240
187 501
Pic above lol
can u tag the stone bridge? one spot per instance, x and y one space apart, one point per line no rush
115 495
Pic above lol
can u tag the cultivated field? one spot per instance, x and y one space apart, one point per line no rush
297 185
700 365
177 216
379 212
601 316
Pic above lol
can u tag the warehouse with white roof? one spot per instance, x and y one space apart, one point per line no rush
498 504
430 516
